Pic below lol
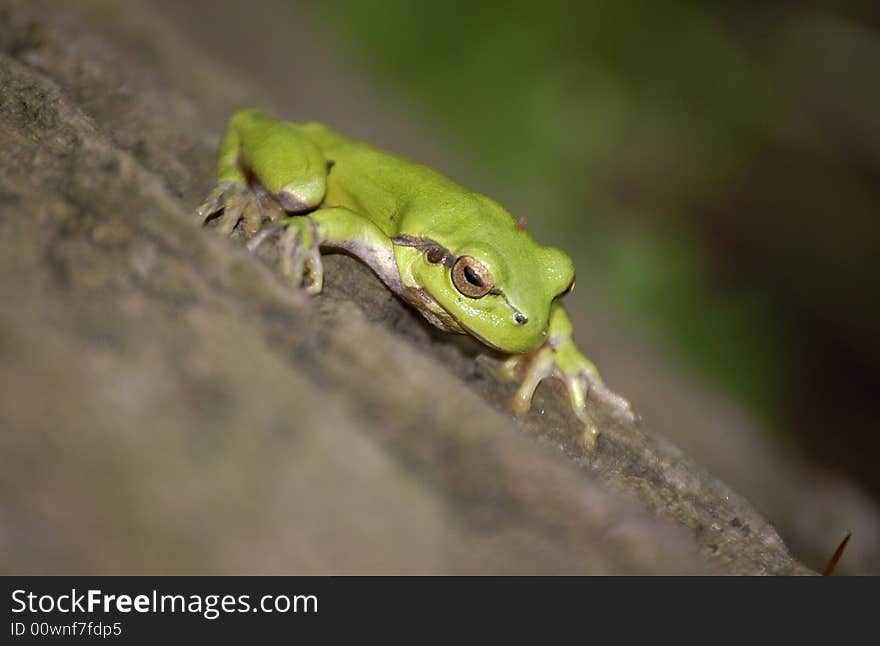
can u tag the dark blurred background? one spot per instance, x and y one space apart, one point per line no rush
714 169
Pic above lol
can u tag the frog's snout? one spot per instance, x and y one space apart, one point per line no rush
526 332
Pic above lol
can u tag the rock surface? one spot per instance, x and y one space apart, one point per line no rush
169 405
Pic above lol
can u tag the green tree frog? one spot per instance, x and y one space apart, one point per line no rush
456 256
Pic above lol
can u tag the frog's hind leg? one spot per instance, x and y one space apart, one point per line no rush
283 158
266 167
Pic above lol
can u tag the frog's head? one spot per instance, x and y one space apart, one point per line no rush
493 282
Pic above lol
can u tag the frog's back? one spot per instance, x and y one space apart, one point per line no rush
378 184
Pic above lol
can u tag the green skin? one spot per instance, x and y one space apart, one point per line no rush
411 226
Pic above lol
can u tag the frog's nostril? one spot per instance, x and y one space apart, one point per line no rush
520 318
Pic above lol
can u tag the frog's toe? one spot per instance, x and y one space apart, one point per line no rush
252 218
268 208
298 249
314 270
620 406
301 256
579 387
232 214
268 231
512 367
229 203
539 367
212 205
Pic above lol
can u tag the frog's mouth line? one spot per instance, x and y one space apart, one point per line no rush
430 314
482 340
478 337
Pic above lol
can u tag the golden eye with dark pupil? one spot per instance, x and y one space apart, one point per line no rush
471 277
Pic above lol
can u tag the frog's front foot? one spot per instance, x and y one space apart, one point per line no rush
582 382
299 247
235 202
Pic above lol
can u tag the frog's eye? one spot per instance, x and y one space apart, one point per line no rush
471 277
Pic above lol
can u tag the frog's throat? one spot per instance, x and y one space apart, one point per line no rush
434 313
439 317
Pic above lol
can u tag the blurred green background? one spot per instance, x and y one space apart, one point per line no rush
715 168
